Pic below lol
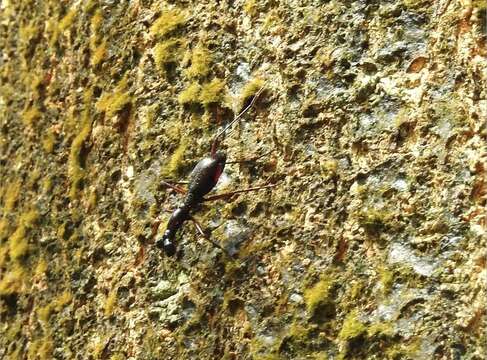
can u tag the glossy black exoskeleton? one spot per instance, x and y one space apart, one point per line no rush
203 179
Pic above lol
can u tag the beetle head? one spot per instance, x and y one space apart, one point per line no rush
221 157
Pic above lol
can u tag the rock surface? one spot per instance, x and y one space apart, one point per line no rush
371 246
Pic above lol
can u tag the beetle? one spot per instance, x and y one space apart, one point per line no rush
202 180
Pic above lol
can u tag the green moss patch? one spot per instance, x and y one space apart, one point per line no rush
318 300
18 242
249 90
205 94
11 195
12 282
115 101
176 161
352 327
75 166
68 19
48 142
212 92
31 115
99 53
166 52
200 62
110 302
168 21
190 94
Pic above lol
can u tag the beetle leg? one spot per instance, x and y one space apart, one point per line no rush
250 159
154 228
176 188
206 237
230 194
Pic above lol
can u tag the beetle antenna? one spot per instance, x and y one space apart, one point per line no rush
215 143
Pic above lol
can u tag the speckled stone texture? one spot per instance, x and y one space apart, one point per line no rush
372 245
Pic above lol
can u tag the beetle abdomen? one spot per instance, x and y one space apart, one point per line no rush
204 176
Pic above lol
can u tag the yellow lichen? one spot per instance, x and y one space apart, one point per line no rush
166 52
3 255
46 185
74 166
380 328
405 350
48 142
96 21
317 295
28 32
14 330
18 243
90 5
355 290
190 94
41 349
52 31
267 357
250 7
200 62
33 179
11 195
386 278
298 333
117 356
41 267
68 19
46 349
92 199
31 115
35 82
98 50
75 169
71 121
61 231
329 167
29 218
176 161
374 220
168 21
249 90
44 313
148 115
212 92
98 346
116 101
206 94
479 4
33 347
414 3
271 20
352 327
403 116
99 53
63 300
13 281
110 302
4 229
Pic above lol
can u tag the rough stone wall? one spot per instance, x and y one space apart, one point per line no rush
371 246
